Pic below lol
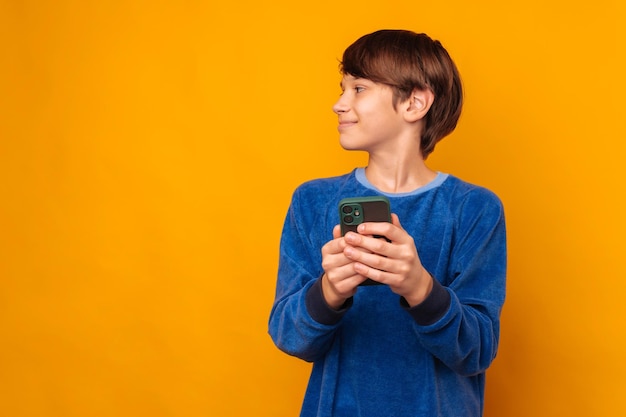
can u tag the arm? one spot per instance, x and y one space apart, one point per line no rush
308 308
466 337
456 317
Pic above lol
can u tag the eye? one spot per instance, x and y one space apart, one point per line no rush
359 89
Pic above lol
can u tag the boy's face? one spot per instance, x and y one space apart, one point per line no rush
367 118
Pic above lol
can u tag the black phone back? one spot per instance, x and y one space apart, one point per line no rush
356 210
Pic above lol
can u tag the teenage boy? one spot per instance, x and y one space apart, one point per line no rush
420 343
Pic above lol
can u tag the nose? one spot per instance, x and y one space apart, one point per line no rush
341 105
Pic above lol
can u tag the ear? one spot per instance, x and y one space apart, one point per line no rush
418 104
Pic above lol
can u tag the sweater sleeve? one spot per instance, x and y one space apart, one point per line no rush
301 323
466 333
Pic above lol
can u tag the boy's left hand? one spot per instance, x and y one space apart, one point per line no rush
394 263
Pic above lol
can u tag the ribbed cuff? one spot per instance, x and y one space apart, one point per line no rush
318 308
432 308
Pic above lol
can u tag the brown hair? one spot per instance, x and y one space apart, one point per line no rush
406 61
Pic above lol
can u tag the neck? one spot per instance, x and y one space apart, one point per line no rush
398 175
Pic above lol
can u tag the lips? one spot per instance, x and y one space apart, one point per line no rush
343 124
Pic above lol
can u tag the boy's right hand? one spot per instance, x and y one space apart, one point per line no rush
340 281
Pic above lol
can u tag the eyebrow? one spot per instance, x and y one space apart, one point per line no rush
354 79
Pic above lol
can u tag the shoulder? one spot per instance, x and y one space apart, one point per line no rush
314 200
469 200
463 191
321 188
313 206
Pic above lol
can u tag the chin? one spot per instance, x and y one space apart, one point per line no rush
345 144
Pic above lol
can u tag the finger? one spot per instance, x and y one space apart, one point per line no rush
372 260
336 232
395 220
367 244
348 283
334 246
331 262
340 272
344 280
374 274
392 231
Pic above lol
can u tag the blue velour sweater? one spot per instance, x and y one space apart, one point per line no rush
377 357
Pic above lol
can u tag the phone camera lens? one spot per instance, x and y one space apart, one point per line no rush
347 209
348 219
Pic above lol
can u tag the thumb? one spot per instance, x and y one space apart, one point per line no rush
395 220
336 232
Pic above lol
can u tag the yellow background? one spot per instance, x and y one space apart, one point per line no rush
148 151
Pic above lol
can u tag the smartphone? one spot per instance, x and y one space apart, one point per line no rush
356 210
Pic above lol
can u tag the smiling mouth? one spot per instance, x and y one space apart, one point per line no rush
345 124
